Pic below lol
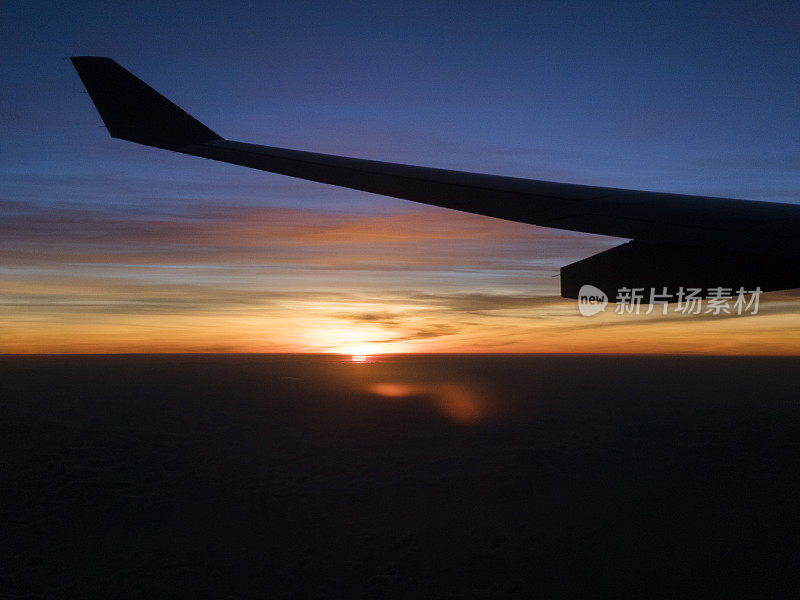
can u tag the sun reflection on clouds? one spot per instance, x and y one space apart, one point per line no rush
453 400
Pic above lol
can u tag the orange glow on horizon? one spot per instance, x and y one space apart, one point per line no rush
364 350
23 331
249 280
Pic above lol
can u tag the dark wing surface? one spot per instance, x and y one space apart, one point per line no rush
677 240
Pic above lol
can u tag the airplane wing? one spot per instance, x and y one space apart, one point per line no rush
676 240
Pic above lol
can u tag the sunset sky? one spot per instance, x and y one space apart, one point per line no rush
108 246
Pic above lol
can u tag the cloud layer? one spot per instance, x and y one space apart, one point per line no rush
195 276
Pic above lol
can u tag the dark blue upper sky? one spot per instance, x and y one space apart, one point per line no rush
665 96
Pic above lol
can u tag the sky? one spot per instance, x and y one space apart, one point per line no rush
108 246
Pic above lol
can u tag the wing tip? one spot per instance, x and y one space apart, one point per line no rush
133 111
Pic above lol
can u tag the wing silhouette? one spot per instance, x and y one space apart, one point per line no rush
676 240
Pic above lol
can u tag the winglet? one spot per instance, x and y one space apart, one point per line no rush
134 111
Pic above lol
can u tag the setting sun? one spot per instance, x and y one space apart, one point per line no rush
363 350
363 353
